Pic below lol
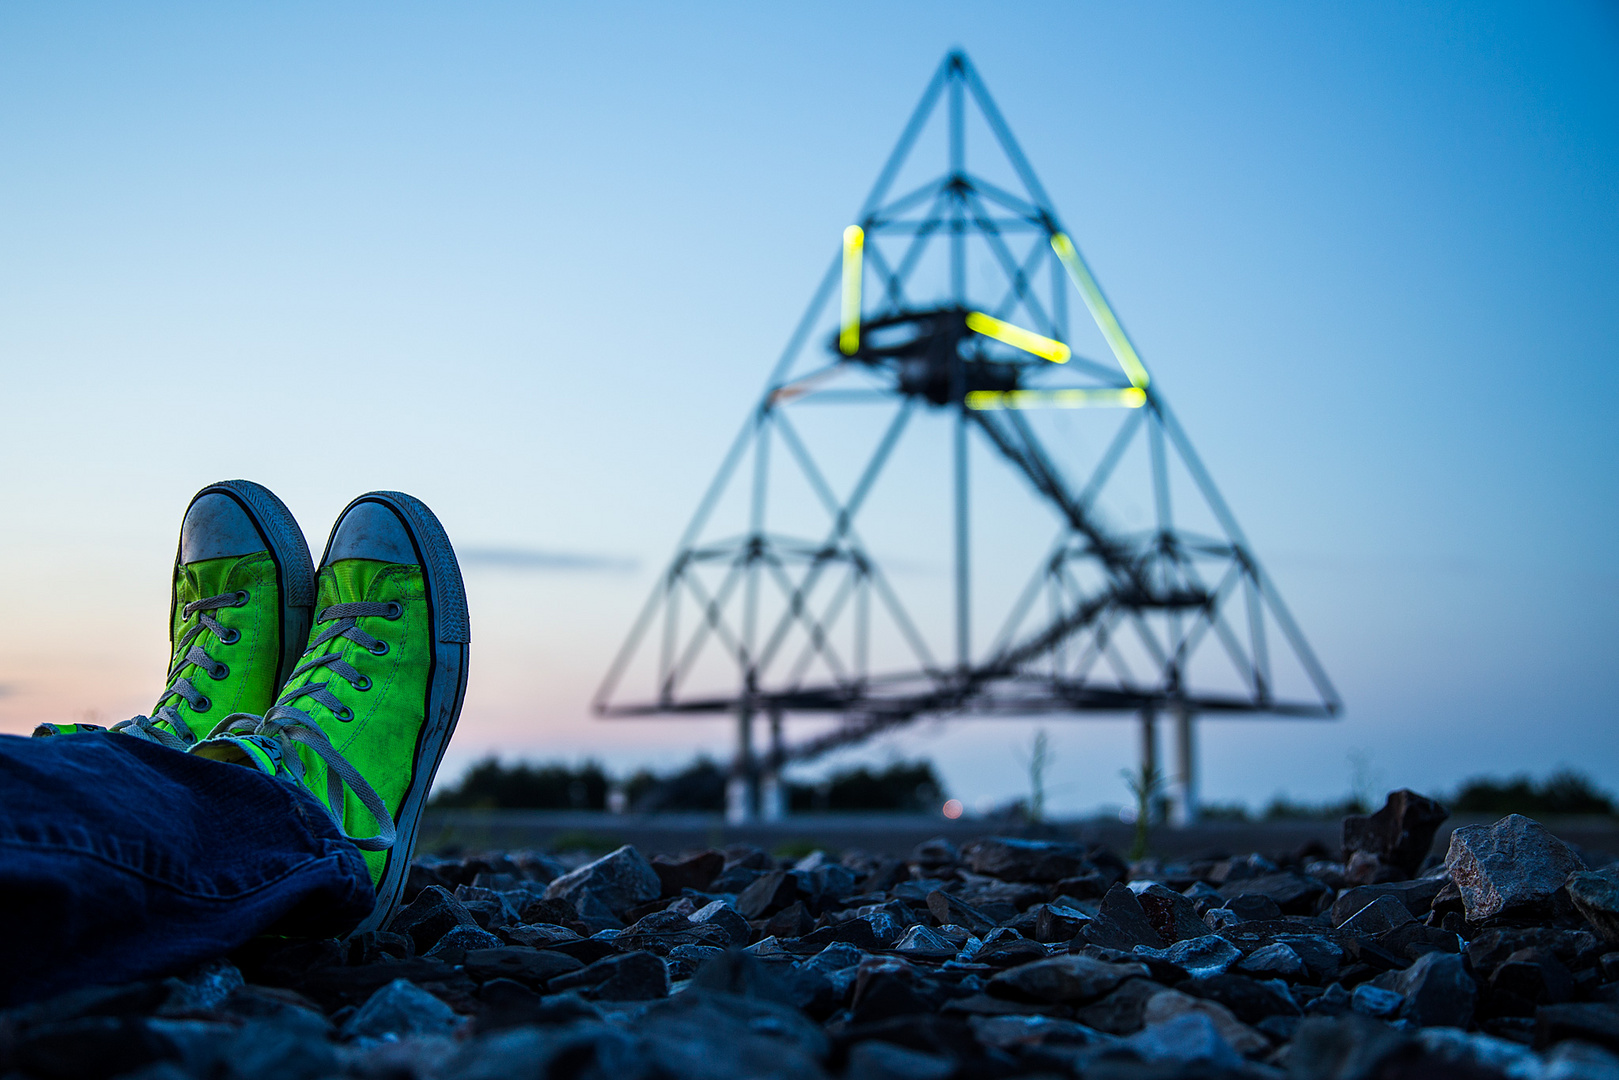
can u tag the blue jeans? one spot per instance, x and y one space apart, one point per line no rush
123 860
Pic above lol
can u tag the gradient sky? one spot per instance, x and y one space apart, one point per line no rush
533 265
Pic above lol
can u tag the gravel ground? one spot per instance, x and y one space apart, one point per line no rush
994 957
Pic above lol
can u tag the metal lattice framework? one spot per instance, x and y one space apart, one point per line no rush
1159 619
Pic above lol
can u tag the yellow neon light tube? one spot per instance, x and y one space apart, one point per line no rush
1106 321
1129 397
1017 337
854 243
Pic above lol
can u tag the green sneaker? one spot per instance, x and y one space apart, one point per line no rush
364 718
244 587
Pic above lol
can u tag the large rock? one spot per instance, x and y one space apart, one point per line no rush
1295 894
1164 1007
635 976
718 1036
1437 990
532 967
1417 896
1171 914
1199 957
1596 894
1063 978
620 880
1514 864
430 916
399 1009
1400 834
1025 860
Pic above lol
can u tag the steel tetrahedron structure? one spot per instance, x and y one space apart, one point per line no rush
944 321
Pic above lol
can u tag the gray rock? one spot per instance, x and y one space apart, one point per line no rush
1292 893
634 976
1200 957
1273 961
950 909
1590 1022
1380 916
1437 989
537 936
1342 1048
208 986
1579 1061
1063 978
1369 1000
1250 1000
1400 834
1513 864
399 1009
719 913
1123 1011
875 1060
926 943
1018 1032
1189 1039
1596 894
703 1035
620 880
1172 1004
1417 896
531 967
591 1048
1121 923
1025 860
459 941
1251 907
936 854
1171 914
430 916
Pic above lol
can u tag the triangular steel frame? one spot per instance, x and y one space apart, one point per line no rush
1174 590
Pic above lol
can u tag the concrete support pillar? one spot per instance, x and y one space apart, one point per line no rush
742 789
1183 791
772 792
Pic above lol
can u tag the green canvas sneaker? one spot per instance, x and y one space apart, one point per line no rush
364 718
243 590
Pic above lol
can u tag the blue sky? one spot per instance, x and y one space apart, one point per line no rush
534 264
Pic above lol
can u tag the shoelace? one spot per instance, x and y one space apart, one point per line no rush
288 725
146 727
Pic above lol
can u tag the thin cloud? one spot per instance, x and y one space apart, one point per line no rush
516 558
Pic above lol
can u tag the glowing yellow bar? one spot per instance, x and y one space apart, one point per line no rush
1017 337
1129 397
854 243
1106 321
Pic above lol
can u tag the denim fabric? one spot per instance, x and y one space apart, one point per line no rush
123 860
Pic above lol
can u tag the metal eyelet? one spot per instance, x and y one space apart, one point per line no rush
235 636
242 598
395 611
207 703
379 649
220 671
344 714
364 683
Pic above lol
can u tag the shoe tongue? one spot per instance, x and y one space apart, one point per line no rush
348 581
210 577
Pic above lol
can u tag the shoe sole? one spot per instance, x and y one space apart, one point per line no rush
295 571
447 611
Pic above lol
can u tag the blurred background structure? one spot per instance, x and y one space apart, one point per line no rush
969 319
530 263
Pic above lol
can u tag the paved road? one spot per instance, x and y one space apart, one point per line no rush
897 834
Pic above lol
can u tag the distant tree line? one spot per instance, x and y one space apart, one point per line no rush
902 786
1564 792
914 787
